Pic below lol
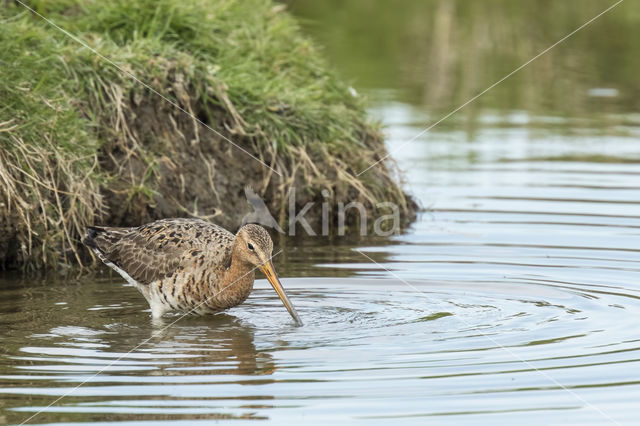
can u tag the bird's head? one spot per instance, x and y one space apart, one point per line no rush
253 245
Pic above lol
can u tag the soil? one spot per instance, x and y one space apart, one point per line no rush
166 164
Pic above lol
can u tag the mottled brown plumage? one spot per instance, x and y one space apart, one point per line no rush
188 265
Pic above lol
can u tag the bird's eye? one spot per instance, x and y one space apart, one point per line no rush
250 246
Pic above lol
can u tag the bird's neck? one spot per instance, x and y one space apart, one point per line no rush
238 281
238 270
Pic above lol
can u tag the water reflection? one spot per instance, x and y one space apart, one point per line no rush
101 339
437 54
220 345
366 339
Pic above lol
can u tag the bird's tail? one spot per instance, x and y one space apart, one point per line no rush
102 239
89 239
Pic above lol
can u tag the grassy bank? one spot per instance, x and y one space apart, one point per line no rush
82 142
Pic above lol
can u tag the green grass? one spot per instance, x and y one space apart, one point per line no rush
249 50
241 66
47 150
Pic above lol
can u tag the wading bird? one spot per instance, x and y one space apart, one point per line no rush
188 265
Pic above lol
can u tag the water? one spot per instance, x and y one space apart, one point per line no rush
515 297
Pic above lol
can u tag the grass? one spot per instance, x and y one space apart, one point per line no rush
48 162
80 138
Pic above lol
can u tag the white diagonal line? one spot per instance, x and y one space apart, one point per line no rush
142 343
148 87
509 351
396 149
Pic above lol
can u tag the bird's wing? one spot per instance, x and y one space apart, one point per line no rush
156 250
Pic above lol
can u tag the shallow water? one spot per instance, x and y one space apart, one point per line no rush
515 297
516 292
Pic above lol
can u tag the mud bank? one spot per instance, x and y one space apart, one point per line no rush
159 109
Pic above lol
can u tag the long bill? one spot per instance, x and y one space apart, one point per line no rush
268 270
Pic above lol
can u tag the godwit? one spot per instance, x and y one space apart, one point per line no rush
188 265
